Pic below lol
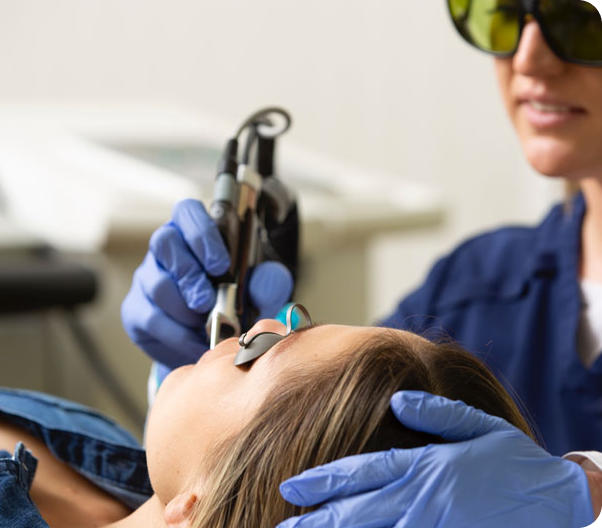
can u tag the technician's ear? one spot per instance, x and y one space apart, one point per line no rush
179 509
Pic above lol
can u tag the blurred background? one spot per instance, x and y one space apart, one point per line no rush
111 111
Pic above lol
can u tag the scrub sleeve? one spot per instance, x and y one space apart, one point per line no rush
579 457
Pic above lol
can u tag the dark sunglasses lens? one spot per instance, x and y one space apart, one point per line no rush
490 25
574 28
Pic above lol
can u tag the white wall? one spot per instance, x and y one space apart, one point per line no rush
383 83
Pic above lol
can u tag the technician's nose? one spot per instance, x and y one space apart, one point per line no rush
533 56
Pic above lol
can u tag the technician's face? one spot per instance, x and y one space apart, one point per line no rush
556 108
197 405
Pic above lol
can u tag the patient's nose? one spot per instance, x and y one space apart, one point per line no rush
266 325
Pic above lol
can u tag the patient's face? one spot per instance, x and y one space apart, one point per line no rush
198 405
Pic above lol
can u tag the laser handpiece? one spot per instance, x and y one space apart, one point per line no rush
223 321
242 209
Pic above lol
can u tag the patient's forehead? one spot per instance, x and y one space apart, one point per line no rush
325 342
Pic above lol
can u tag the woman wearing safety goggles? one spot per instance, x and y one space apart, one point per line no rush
526 300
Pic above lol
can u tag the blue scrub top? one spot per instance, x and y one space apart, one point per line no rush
512 298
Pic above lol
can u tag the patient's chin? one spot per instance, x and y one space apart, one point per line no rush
171 380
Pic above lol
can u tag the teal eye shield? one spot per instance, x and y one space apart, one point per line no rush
258 344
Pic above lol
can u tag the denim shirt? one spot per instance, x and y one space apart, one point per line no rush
94 446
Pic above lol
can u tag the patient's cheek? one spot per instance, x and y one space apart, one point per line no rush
198 407
185 424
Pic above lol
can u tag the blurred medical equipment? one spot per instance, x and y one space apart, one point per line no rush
35 278
101 178
256 216
95 180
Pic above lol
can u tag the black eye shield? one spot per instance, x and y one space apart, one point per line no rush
260 343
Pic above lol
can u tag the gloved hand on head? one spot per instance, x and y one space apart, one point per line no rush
491 475
165 311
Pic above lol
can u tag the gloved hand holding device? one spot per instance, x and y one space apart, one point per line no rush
491 476
165 311
202 268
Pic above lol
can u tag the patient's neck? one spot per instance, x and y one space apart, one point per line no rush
149 515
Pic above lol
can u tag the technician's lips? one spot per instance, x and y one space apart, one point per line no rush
546 112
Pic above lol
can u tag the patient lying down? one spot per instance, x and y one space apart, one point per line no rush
221 438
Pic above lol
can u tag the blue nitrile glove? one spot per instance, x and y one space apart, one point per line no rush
493 476
165 311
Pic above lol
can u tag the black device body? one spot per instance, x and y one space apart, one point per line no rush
269 230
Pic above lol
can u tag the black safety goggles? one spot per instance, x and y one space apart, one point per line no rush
571 28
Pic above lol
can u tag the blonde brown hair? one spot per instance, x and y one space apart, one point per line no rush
318 415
